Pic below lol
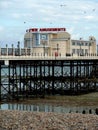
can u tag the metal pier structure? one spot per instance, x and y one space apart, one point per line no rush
32 76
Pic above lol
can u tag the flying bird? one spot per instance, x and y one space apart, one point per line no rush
84 12
62 5
93 10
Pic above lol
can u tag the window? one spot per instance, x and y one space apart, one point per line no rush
78 51
86 51
36 40
73 43
73 51
86 44
82 44
78 43
90 44
82 51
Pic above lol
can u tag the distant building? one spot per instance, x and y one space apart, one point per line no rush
56 41
84 47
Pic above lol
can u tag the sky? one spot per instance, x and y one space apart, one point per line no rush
79 17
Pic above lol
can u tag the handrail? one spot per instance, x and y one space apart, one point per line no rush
32 57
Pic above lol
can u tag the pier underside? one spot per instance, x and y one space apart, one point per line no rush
37 78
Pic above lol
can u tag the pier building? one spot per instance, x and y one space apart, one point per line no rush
57 41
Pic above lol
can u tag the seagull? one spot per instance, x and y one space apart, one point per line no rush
93 10
62 5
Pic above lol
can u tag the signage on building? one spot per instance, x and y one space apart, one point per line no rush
33 30
52 29
46 30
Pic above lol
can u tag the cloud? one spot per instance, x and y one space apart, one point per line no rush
74 35
16 15
1 28
5 4
89 17
77 16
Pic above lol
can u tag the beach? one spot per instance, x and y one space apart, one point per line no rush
25 120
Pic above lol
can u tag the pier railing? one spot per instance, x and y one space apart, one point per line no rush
27 54
46 57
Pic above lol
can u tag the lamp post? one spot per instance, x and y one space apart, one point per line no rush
18 48
12 49
6 49
89 47
57 51
80 46
44 48
57 48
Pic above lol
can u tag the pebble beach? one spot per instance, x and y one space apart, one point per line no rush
24 120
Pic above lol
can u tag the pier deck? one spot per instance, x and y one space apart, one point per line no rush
37 76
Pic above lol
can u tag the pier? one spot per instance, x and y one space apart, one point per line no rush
37 75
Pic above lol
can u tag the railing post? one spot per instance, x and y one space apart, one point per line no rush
13 53
6 49
0 82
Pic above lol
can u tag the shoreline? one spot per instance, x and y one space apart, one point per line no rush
58 100
28 120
